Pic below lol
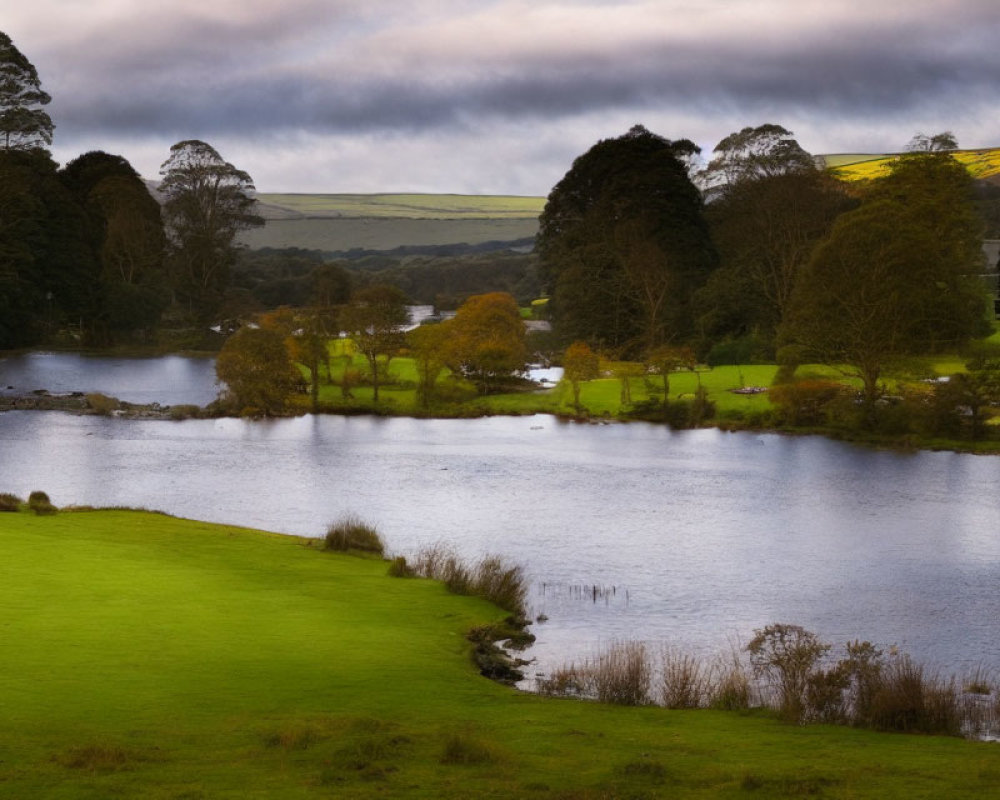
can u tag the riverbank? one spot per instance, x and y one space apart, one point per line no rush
91 403
160 657
81 403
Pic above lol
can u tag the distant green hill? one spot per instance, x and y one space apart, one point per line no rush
341 222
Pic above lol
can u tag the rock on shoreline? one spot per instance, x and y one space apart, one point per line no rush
82 403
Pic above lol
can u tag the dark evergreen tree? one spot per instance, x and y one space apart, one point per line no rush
51 267
126 233
623 244
24 125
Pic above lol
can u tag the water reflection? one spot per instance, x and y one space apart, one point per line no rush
707 534
166 380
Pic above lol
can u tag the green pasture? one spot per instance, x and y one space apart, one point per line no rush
333 234
143 656
410 206
601 397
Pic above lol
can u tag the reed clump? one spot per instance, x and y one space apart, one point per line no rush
790 671
491 578
352 533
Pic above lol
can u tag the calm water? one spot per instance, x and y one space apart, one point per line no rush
692 538
168 380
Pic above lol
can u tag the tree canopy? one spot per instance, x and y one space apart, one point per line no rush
762 152
24 124
486 339
375 319
766 229
938 143
623 243
255 367
208 202
580 363
126 231
897 275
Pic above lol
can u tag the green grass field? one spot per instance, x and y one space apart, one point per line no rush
143 656
405 206
601 397
330 234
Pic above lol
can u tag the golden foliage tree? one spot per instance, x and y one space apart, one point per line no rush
486 341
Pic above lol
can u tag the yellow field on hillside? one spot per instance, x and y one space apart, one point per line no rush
982 163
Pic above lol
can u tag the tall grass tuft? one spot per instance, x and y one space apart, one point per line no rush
621 675
730 687
39 503
98 758
352 533
684 681
910 700
784 672
10 502
491 578
502 584
398 568
464 748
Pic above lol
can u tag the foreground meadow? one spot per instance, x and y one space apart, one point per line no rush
147 656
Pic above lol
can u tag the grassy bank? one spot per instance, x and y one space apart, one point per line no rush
145 656
737 397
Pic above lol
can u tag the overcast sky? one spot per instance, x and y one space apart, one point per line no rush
497 96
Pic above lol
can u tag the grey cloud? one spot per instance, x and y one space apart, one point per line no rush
350 70
854 79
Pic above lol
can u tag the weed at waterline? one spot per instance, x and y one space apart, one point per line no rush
684 682
729 684
978 682
352 533
398 568
864 689
621 675
562 682
502 584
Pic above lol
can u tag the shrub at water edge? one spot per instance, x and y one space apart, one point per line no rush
39 503
352 533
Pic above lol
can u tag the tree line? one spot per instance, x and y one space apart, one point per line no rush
86 250
764 255
484 344
761 255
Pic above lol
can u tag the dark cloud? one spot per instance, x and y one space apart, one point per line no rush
436 70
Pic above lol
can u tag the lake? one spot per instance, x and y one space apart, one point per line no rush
692 538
